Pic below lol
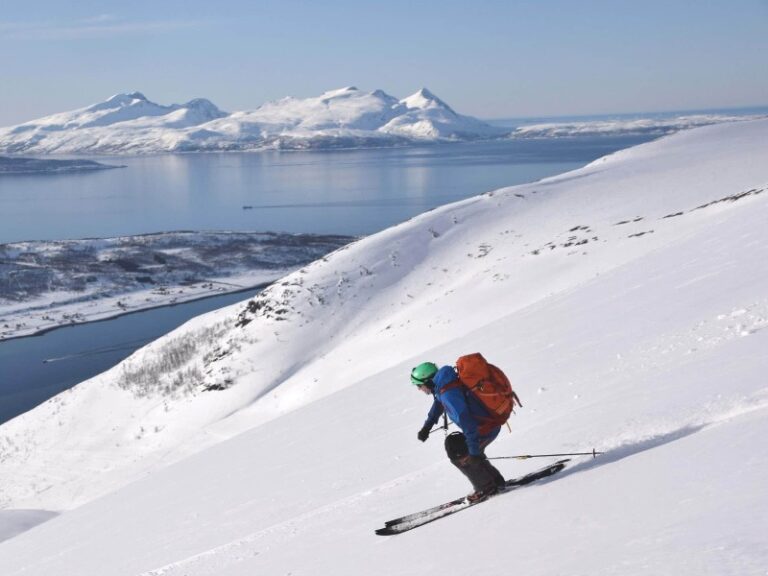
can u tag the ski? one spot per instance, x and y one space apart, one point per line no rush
411 521
514 482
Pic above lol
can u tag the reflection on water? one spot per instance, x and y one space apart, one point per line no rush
353 192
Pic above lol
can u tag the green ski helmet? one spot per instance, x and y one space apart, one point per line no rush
423 373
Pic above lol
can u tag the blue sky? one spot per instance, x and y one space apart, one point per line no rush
486 58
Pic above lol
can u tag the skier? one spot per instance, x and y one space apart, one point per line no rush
466 448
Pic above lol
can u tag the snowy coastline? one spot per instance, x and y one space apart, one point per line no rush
47 285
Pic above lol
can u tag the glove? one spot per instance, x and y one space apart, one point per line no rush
423 434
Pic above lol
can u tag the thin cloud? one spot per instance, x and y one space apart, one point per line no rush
102 25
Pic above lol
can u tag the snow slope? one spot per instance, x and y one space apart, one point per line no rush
348 117
626 301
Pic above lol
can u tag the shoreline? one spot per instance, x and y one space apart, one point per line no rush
53 284
33 165
259 286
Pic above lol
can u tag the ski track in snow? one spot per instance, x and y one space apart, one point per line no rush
249 546
218 558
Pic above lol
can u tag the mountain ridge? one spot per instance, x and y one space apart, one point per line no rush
130 123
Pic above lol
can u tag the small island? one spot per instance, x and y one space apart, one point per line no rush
17 165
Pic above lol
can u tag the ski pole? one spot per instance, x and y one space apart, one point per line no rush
443 427
526 456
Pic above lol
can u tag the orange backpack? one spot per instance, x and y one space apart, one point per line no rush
489 385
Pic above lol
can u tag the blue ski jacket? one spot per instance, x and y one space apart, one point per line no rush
462 408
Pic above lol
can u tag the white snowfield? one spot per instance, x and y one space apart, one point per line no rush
348 118
628 303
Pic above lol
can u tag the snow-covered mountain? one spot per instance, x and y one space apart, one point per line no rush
627 303
649 126
129 123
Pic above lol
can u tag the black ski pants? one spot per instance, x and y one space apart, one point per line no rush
480 472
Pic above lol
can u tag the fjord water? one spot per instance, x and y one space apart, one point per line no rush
36 368
346 192
355 192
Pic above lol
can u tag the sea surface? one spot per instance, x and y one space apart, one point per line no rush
34 369
355 192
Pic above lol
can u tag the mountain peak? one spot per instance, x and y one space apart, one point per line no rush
202 104
424 99
346 91
127 97
425 93
201 110
137 96
379 93
121 100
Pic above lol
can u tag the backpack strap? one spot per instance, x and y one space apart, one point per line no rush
455 384
482 420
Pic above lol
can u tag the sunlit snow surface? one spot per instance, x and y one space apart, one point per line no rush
627 303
